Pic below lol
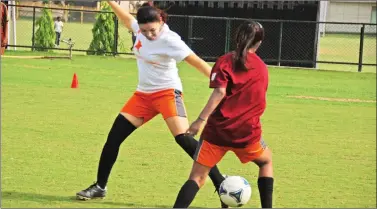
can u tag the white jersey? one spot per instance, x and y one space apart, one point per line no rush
157 60
58 25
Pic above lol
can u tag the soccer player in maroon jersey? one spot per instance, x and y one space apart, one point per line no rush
233 111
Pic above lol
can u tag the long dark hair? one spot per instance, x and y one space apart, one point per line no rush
147 13
248 34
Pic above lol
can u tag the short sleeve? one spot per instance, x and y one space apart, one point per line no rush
219 76
177 49
134 26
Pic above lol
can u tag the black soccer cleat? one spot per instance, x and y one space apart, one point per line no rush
92 192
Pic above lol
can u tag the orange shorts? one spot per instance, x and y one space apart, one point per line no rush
147 105
209 154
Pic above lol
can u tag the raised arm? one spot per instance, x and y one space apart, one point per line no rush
125 17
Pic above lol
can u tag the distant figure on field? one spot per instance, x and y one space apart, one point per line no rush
58 26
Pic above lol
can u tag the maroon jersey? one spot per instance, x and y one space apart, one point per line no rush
236 120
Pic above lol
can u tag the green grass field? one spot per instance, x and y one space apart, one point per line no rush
332 47
52 135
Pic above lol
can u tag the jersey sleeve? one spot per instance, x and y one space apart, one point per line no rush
134 26
177 49
219 76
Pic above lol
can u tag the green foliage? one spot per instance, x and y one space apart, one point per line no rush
103 32
122 46
45 34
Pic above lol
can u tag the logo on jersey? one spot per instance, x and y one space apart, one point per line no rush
138 45
213 76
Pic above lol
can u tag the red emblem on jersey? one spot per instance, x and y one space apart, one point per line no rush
138 45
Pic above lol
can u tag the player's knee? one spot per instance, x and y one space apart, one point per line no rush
265 159
120 130
180 139
263 164
113 140
185 141
200 180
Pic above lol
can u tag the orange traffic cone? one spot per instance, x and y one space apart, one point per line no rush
75 82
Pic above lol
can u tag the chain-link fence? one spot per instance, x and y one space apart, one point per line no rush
348 44
287 43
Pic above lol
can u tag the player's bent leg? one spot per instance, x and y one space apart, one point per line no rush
120 130
170 104
189 190
122 127
178 126
265 180
264 162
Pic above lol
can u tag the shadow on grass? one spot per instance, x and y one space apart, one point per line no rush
47 199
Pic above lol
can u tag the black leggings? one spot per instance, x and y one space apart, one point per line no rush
120 130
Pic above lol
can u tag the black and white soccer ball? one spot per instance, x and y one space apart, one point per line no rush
235 191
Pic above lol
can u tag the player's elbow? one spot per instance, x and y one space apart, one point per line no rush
220 92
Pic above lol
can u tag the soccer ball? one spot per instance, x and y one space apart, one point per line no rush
235 191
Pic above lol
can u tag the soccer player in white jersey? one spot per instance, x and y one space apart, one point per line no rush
159 91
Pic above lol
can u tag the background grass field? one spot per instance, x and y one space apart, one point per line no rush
52 135
332 47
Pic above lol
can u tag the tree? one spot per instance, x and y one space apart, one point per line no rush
103 32
45 34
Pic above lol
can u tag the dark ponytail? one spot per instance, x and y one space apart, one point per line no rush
248 34
147 13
